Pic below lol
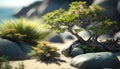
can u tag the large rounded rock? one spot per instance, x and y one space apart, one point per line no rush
67 35
11 50
73 50
25 47
56 39
96 61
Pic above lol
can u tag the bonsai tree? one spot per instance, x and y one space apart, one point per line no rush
88 17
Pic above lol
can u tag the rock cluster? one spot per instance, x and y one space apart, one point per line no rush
14 51
96 61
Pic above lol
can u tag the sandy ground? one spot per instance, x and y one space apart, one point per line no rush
63 63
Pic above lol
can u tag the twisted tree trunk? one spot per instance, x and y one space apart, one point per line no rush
110 45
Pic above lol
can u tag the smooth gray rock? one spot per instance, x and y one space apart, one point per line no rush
73 50
76 52
96 61
25 47
67 35
65 52
11 50
56 39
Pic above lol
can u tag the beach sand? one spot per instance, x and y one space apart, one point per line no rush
63 63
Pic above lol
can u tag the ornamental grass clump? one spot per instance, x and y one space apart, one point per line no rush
29 31
45 51
12 35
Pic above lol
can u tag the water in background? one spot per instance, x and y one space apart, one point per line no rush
7 13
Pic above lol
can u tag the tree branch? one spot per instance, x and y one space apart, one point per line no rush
77 36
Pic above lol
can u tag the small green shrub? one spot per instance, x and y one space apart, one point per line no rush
29 31
21 66
45 51
7 66
87 49
4 64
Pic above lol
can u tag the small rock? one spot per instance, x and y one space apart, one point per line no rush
65 52
95 61
73 50
76 51
56 39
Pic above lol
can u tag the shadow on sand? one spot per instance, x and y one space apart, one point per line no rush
52 60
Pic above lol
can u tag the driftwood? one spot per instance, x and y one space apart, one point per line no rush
110 45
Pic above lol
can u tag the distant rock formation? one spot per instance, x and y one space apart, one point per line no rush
111 10
23 11
40 8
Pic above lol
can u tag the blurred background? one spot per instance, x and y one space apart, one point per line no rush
9 7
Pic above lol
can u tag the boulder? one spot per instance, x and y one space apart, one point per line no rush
56 39
11 50
73 50
25 47
67 35
96 61
76 51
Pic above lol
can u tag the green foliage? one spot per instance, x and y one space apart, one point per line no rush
87 48
3 59
29 31
80 14
7 66
21 66
4 64
45 51
12 34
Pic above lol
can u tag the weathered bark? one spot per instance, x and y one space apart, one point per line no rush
111 45
77 36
